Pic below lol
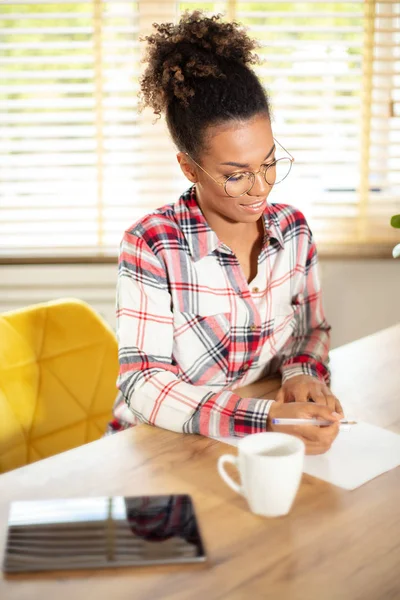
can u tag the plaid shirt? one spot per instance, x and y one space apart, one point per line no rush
191 329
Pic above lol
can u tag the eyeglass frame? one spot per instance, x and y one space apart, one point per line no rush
253 173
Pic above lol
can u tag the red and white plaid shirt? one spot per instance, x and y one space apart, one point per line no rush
191 329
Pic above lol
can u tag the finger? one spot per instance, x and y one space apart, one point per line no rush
301 394
330 401
338 408
321 443
322 435
319 398
318 411
288 394
315 447
318 445
280 396
312 449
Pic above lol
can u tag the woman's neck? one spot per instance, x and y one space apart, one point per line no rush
235 234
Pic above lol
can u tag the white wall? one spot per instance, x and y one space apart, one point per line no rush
21 285
360 296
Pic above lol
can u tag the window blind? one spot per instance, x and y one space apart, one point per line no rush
79 164
380 124
333 73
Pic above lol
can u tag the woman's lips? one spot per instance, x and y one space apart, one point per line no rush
254 207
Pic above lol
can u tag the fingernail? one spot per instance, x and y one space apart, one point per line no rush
335 414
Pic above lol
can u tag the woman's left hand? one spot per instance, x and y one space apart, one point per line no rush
303 388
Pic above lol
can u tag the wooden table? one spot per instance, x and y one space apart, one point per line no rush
334 545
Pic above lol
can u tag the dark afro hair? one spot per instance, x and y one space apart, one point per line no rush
198 74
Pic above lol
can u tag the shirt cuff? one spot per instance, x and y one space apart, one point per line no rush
251 416
318 370
122 413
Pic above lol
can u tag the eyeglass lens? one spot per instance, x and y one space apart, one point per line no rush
241 183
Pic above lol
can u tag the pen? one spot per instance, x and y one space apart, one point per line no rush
318 422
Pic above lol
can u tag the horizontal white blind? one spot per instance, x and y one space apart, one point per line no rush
332 69
381 121
78 164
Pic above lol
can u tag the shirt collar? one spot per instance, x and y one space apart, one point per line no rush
201 239
272 226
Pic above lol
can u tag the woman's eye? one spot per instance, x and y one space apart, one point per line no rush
237 176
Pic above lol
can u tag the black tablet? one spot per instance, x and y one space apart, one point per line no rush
82 533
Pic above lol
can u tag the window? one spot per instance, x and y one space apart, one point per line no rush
78 164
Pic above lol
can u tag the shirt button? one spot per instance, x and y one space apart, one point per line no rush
245 367
255 290
253 327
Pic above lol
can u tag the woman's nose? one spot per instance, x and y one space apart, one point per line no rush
260 187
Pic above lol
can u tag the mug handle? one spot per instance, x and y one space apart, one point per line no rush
229 458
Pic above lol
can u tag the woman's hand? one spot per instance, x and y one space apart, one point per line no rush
303 388
317 439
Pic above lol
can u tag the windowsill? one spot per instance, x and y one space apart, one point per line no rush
325 252
58 260
355 251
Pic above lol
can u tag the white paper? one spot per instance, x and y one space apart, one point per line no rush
356 456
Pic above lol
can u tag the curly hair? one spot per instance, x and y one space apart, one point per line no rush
198 74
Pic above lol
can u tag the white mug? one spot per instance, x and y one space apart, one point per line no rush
270 467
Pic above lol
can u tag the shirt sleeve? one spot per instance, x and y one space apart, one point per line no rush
307 350
149 381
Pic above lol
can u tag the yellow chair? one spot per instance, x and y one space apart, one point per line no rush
58 370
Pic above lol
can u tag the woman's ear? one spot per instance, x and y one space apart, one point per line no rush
188 168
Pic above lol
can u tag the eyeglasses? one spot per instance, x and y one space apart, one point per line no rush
240 183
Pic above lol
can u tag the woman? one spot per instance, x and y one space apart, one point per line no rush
220 289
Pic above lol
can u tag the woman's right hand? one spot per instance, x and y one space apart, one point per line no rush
316 439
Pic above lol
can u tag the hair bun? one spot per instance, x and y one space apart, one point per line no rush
196 47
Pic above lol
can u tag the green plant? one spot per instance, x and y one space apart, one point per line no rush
395 222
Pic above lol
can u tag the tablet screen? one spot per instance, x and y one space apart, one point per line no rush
81 533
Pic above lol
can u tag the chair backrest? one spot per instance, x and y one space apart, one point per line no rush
58 370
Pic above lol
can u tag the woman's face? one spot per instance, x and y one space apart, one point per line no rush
232 148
